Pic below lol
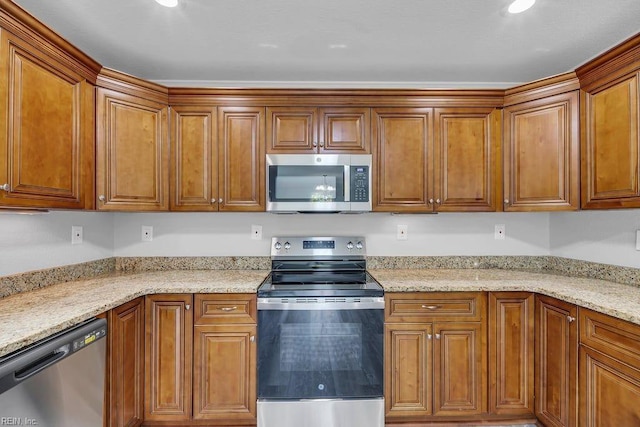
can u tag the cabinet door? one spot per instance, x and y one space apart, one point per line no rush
408 370
556 362
126 364
225 373
241 178
292 130
609 391
168 355
511 353
402 160
194 159
611 169
467 146
460 369
133 153
46 131
344 130
542 154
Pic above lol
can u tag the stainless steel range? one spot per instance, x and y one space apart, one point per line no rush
320 336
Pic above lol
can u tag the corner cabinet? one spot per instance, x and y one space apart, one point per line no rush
309 130
46 127
132 162
217 159
541 146
435 356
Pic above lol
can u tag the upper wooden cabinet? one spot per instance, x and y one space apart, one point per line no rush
402 159
318 130
610 123
541 146
132 161
46 126
467 159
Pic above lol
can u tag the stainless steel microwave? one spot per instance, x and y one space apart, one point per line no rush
318 183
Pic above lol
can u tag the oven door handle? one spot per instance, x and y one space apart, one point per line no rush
315 304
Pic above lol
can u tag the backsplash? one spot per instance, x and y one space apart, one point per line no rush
24 282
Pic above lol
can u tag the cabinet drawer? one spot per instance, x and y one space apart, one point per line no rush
419 306
224 308
614 337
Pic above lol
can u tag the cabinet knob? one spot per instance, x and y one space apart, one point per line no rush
219 200
252 338
213 201
322 144
315 144
102 198
429 336
227 308
506 201
431 307
4 187
187 306
438 201
437 336
571 319
430 201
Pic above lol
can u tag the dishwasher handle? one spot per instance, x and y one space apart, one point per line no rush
25 363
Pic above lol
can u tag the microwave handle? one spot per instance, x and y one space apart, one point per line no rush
347 183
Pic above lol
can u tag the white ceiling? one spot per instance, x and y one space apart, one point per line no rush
340 43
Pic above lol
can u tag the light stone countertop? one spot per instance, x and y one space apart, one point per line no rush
28 317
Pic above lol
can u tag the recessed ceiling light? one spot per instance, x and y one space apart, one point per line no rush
168 3
519 5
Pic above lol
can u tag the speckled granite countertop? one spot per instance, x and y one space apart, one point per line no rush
30 316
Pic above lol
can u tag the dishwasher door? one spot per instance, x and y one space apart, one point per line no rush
58 382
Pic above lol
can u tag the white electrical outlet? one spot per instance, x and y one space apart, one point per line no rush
499 232
76 234
147 233
256 232
402 232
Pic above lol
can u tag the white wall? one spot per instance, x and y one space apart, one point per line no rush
607 237
217 234
33 242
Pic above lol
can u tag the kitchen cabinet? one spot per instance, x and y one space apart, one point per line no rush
46 125
225 363
126 364
435 355
511 353
132 162
467 159
168 357
402 159
556 364
217 171
609 360
309 130
541 146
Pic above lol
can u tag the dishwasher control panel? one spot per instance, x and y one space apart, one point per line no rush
88 338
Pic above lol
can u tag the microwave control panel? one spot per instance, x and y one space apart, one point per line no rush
359 183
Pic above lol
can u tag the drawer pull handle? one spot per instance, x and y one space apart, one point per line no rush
431 307
228 308
571 319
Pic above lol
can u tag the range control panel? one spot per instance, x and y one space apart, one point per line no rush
298 246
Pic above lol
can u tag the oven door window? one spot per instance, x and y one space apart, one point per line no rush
306 183
320 354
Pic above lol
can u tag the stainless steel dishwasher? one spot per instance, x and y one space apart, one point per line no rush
57 382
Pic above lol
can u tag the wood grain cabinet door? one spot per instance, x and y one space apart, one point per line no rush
542 154
126 364
408 370
292 130
611 166
402 159
168 357
460 368
556 363
194 159
241 157
344 130
467 149
133 153
46 130
224 386
511 353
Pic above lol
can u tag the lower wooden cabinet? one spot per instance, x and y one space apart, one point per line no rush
511 351
436 365
556 363
126 365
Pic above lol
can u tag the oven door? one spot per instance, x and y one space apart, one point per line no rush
320 350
